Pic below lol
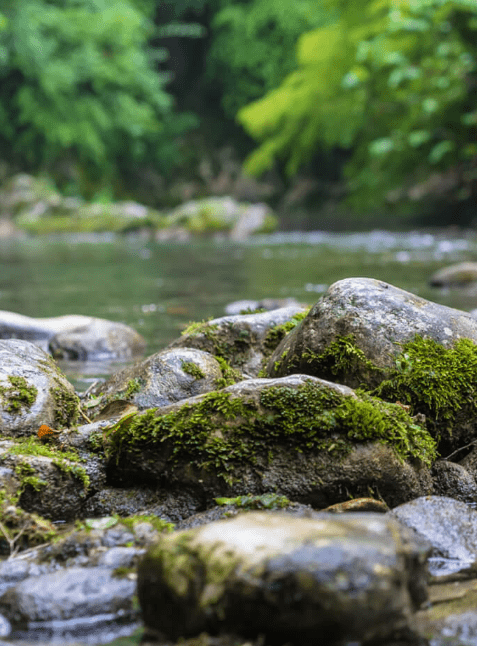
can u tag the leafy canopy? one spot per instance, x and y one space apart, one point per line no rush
393 81
78 78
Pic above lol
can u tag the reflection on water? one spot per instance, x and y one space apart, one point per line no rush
157 288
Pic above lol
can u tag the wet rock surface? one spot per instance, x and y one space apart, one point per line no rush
33 391
340 577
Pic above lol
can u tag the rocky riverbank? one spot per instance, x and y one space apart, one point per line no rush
277 477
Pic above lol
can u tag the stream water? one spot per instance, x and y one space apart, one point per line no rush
158 288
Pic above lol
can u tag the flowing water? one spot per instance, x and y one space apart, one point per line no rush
158 288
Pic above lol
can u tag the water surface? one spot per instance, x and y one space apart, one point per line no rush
158 288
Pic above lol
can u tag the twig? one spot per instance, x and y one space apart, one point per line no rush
460 449
85 416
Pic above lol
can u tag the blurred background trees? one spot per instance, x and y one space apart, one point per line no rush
373 101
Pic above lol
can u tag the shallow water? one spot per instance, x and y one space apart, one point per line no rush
158 288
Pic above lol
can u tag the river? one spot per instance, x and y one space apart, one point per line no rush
158 288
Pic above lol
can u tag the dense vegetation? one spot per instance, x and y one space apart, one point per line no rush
377 97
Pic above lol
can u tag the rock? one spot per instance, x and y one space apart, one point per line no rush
400 347
222 214
269 304
97 339
461 274
243 340
71 594
172 506
454 480
161 379
449 525
351 577
379 318
33 391
310 440
74 337
50 482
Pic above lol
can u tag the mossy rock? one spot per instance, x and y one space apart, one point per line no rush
244 341
304 438
33 391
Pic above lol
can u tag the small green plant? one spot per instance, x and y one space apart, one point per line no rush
192 369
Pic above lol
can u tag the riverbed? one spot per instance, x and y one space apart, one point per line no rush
159 287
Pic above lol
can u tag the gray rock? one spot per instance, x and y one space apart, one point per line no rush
161 379
461 274
354 577
449 525
68 594
33 391
73 336
53 487
290 436
379 317
269 304
454 480
243 340
97 339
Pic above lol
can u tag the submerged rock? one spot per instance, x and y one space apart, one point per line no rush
305 438
33 391
336 578
244 340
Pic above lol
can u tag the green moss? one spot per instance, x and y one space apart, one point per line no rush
229 375
341 361
436 381
276 334
265 501
18 395
159 524
192 369
199 327
66 406
66 461
132 387
222 432
27 478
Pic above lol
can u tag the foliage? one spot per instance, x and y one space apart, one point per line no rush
78 81
394 82
251 45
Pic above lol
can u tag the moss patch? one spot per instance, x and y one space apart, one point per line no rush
436 381
18 395
159 524
222 432
66 461
192 369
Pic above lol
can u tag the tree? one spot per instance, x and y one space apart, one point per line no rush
78 79
393 81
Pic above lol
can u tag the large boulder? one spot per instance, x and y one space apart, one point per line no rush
33 391
367 333
244 340
313 441
334 579
379 318
161 379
